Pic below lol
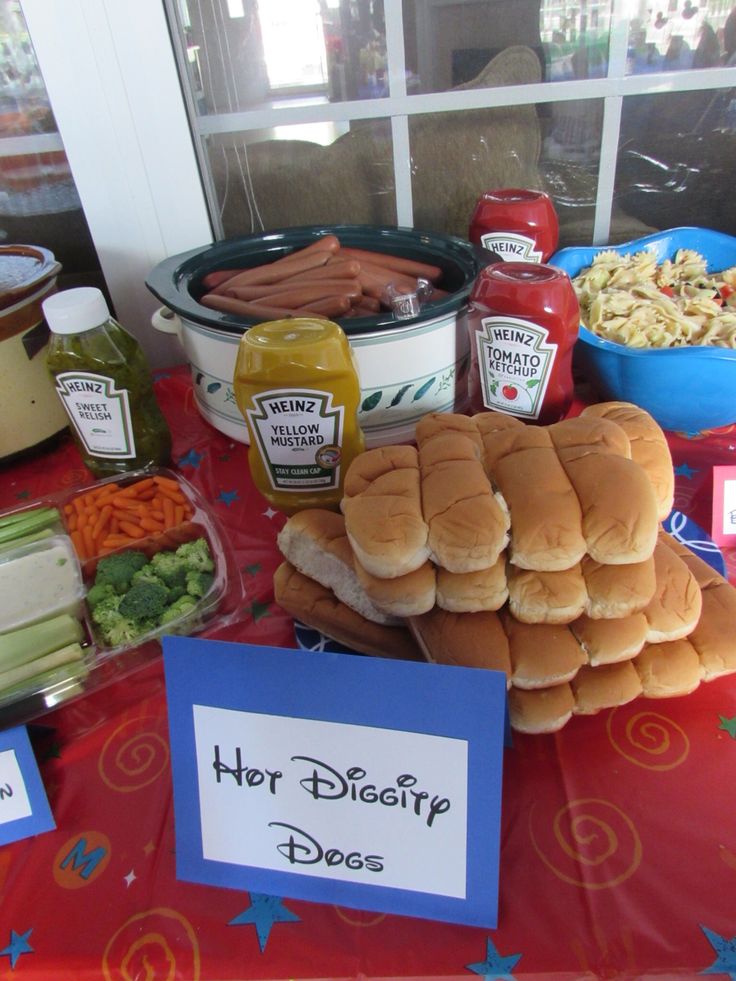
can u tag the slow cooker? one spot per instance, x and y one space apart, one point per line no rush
406 368
30 410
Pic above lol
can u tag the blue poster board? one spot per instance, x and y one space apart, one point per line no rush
364 782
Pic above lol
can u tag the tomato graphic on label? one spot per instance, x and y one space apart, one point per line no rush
510 392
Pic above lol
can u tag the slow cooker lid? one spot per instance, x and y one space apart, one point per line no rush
23 269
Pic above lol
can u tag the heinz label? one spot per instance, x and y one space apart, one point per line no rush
298 434
99 412
511 247
515 361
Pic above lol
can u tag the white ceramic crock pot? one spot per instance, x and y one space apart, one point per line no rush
30 410
406 368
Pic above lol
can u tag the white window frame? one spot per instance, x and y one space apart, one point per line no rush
110 71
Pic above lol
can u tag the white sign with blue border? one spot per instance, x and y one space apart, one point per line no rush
363 782
24 807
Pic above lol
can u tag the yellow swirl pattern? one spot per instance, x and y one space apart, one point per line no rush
359 918
152 946
590 843
134 757
647 739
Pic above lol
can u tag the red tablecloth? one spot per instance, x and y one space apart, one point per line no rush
618 850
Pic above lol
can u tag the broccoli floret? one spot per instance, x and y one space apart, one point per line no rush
169 568
114 628
99 592
117 569
144 601
124 631
185 604
196 556
147 574
106 611
198 583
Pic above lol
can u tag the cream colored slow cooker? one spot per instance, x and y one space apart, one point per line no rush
30 410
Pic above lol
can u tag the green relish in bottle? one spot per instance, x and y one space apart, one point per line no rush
104 382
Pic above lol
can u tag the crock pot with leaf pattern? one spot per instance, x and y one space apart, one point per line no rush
406 367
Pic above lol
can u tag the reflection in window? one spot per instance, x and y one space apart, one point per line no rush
677 35
668 174
245 54
39 204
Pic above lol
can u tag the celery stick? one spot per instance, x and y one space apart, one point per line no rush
70 675
15 525
40 665
26 643
35 536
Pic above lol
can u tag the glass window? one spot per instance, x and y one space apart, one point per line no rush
669 175
281 178
677 35
243 54
39 204
436 108
450 43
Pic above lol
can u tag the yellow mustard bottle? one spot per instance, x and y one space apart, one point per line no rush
297 387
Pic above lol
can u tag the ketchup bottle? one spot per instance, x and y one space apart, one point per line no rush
523 320
519 225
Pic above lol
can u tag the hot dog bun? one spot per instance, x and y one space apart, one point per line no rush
468 524
404 596
674 610
541 710
604 687
610 641
668 670
471 640
649 447
382 505
542 655
315 543
471 592
546 597
313 604
615 591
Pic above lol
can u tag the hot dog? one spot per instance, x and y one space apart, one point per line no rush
407 267
304 294
244 308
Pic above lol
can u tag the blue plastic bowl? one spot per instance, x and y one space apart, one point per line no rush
686 388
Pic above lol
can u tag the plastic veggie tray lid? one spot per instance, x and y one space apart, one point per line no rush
685 388
92 578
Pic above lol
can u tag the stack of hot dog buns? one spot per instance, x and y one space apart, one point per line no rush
536 551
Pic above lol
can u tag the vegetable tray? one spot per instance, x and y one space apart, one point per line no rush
93 577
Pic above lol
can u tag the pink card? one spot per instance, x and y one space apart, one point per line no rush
724 506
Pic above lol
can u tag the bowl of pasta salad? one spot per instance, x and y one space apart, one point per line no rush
658 324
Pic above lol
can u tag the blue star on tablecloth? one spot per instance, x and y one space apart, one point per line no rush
227 497
684 470
494 966
263 912
725 963
191 459
18 945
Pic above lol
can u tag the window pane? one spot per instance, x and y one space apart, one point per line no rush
669 175
39 204
304 175
243 54
677 35
450 43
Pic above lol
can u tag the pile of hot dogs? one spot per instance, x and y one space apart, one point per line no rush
323 279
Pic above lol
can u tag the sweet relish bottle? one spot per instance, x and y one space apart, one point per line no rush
104 383
518 224
523 320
